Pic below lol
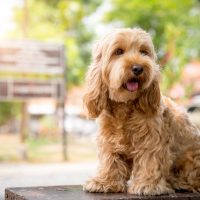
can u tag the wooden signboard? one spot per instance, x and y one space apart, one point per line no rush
27 57
25 89
31 57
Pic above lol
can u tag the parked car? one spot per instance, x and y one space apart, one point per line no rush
194 110
80 126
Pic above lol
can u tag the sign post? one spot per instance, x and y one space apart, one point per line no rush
25 59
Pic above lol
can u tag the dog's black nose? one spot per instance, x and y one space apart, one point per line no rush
137 69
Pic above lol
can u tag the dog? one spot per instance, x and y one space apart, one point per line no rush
147 144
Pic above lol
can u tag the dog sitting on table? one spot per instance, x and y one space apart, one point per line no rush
144 137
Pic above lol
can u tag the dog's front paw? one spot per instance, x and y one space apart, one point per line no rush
150 189
94 185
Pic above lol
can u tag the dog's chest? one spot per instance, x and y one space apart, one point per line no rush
122 131
128 131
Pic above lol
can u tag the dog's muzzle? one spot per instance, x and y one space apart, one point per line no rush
137 69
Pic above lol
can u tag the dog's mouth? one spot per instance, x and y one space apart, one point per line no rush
131 85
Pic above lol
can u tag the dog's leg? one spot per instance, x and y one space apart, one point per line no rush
150 171
112 175
185 173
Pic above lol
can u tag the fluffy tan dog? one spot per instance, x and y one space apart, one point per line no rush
144 137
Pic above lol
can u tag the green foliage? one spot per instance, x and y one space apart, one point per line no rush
8 111
173 25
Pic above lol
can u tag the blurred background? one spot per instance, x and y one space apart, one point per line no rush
44 135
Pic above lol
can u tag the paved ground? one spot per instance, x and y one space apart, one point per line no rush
24 175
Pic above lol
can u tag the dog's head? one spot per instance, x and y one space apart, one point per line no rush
123 69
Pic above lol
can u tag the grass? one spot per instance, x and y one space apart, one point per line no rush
46 149
9 148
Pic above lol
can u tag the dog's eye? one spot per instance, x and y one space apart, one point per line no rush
144 52
119 52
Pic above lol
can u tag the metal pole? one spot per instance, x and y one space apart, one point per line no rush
64 132
23 131
24 117
24 123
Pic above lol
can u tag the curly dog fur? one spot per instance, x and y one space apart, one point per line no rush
144 137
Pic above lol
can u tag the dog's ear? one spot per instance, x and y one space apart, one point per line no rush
149 101
95 97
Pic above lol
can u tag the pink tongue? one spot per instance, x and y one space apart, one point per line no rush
132 86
